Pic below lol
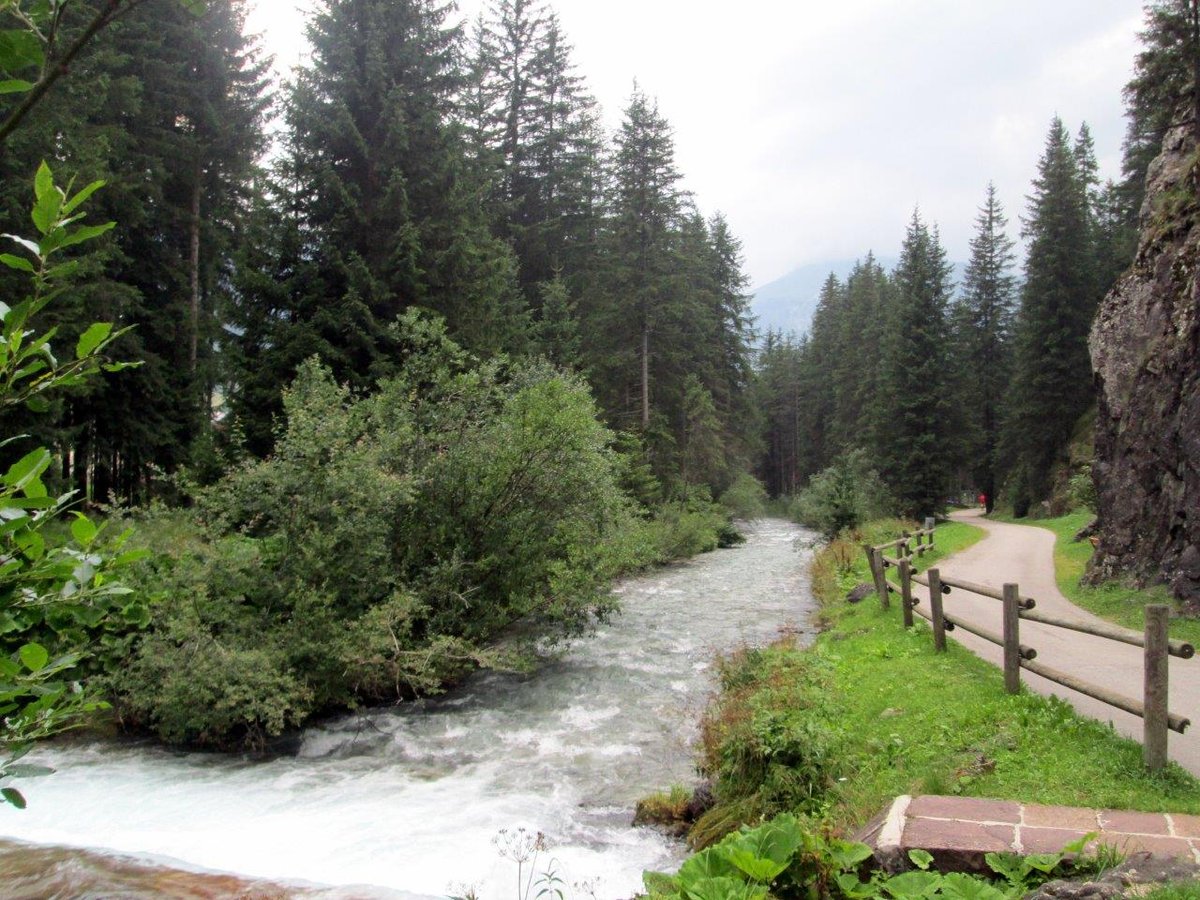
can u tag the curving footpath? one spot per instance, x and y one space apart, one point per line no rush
1025 555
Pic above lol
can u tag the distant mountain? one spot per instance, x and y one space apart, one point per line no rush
788 303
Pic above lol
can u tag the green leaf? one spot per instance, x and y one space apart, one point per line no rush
74 203
763 853
724 889
86 233
1043 862
26 243
920 858
660 883
27 469
958 886
913 885
13 796
34 657
96 335
705 864
848 854
19 263
15 86
83 530
43 182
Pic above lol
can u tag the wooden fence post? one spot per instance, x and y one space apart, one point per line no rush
906 592
1154 721
1012 639
874 559
935 610
881 583
929 523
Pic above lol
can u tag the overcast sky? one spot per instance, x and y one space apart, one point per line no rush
817 126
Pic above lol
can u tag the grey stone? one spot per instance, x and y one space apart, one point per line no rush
1145 349
859 593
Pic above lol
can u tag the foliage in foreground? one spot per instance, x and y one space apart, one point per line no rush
463 515
785 858
58 593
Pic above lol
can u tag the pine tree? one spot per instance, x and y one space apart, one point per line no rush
626 323
393 211
1164 91
918 458
1051 384
982 318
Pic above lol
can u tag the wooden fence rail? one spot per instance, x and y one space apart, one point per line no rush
1157 720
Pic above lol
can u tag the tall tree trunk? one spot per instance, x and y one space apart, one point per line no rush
645 377
194 272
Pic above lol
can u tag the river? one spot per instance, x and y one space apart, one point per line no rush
412 799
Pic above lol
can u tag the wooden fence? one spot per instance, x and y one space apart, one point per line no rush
1157 720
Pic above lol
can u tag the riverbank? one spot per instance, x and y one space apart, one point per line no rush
870 712
414 797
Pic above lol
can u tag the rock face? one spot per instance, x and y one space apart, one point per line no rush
1145 348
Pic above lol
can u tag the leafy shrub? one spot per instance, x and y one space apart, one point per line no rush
683 528
746 498
766 742
392 543
842 496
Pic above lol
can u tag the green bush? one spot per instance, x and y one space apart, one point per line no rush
746 498
842 496
452 519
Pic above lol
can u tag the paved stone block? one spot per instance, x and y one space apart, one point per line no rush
967 808
1134 822
1061 817
1186 826
953 834
958 846
1047 840
1153 844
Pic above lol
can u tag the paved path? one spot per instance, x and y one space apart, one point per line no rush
1025 555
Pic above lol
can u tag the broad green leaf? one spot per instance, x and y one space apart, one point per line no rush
920 858
96 334
958 886
28 468
43 181
705 864
765 851
83 530
1043 862
848 854
913 885
19 263
849 885
13 796
73 204
20 48
1009 866
34 657
724 889
86 233
660 883
15 86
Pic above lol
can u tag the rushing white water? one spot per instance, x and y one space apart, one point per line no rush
411 799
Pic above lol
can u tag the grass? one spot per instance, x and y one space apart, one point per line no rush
870 711
1114 601
1180 891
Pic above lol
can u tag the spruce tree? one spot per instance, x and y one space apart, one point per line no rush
918 458
1051 384
982 319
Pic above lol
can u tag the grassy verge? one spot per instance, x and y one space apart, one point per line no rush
870 711
1114 601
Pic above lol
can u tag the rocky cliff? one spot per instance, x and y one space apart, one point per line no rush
1145 347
